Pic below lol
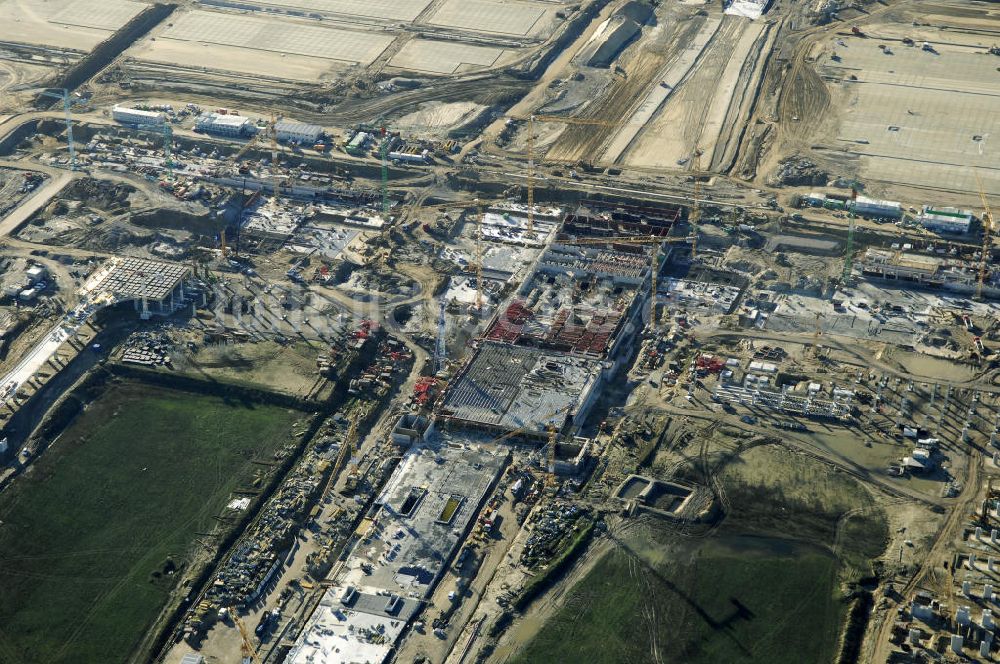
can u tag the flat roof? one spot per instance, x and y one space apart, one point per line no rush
137 111
298 127
424 510
223 120
357 631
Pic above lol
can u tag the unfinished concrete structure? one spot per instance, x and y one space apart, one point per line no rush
155 287
504 387
928 271
596 218
353 626
837 406
425 510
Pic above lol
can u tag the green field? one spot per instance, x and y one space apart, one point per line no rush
723 600
766 587
91 535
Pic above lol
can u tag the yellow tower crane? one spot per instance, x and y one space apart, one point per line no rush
553 442
987 249
696 208
532 119
521 429
480 206
246 649
552 432
654 268
817 333
246 147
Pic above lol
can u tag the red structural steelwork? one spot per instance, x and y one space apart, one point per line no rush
590 338
365 329
508 326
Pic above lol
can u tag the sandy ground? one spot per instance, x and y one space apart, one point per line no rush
914 124
30 22
13 75
440 115
690 118
917 92
684 84
673 75
290 369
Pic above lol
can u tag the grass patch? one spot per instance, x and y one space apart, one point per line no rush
727 600
773 491
92 537
450 508
766 587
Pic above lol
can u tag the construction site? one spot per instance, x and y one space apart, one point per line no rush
454 331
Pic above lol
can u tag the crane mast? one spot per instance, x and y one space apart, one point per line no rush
274 159
68 118
531 175
247 650
849 250
384 154
987 248
696 208
479 259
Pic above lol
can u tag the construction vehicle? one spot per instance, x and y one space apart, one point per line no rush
654 269
987 249
247 649
532 119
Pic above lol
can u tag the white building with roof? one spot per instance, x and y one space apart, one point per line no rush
870 207
297 132
233 126
945 220
134 116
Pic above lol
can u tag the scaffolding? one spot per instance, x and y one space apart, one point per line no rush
811 406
